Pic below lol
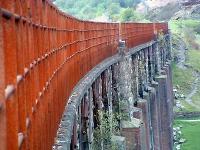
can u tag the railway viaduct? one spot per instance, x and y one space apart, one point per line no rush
58 72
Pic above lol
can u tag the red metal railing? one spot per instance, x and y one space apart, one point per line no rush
43 54
138 33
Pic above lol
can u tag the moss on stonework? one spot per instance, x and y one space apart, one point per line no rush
134 123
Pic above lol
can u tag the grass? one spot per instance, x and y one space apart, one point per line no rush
196 99
191 23
194 59
190 132
177 25
186 29
189 31
187 107
182 77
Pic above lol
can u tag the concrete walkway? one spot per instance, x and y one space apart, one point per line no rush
191 120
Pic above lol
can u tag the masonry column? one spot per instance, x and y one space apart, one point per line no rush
164 111
154 110
154 99
166 72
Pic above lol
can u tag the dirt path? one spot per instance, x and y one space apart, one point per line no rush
181 47
181 64
194 89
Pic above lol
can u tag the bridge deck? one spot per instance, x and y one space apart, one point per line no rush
43 54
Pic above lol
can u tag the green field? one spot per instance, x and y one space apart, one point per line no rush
183 78
189 31
194 59
191 132
177 25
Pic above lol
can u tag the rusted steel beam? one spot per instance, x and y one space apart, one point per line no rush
3 125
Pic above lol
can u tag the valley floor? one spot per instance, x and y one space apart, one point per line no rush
186 81
190 131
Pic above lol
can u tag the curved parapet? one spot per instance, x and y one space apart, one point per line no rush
129 77
44 54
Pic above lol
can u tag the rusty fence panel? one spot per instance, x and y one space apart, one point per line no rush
43 55
138 33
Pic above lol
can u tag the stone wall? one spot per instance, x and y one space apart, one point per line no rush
183 115
136 83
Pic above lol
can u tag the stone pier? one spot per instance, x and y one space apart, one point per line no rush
136 83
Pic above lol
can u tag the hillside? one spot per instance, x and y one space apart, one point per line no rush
185 27
174 10
105 10
186 67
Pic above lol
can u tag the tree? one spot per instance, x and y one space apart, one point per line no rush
128 14
114 11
